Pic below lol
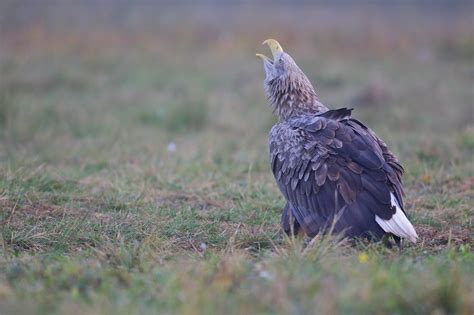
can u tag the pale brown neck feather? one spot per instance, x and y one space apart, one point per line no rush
293 95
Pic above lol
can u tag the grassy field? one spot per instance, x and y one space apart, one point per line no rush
134 175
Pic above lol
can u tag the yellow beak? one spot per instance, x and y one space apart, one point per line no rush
261 56
275 48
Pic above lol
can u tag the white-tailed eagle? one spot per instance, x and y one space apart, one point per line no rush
333 171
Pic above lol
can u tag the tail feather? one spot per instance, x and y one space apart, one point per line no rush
398 224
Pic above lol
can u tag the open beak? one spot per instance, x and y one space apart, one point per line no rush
275 48
264 58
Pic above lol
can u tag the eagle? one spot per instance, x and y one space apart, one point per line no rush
336 174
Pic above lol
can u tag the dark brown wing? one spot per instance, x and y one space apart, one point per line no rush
388 156
326 166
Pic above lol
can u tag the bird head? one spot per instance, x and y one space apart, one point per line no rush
282 66
288 89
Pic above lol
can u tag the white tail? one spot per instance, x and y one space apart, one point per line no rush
398 224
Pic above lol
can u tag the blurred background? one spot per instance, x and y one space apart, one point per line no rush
91 86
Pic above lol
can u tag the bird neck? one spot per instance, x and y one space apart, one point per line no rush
291 97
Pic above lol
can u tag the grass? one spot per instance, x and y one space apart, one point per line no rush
136 180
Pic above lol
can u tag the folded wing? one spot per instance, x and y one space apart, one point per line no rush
337 174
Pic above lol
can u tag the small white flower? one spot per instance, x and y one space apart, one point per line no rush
264 274
171 147
203 246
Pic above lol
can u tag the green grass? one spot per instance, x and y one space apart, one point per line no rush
98 215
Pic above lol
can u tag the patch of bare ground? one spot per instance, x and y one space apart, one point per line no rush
36 209
437 239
